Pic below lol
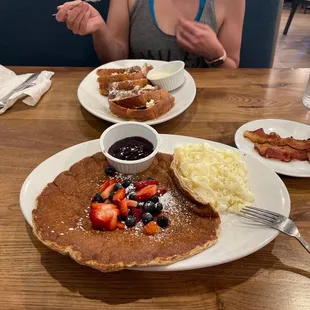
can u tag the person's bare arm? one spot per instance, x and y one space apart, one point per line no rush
111 38
111 41
230 33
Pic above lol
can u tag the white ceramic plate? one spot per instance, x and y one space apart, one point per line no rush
285 129
96 104
238 237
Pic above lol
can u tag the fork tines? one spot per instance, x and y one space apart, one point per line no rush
260 215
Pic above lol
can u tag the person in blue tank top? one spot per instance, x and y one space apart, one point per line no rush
202 33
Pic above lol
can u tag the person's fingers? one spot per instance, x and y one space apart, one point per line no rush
65 8
61 16
203 27
184 34
77 21
71 4
185 44
72 15
83 25
188 26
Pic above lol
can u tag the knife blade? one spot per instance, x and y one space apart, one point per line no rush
20 87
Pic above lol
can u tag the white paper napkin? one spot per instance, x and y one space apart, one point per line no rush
9 80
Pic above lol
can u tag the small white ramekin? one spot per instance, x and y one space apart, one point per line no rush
174 78
125 130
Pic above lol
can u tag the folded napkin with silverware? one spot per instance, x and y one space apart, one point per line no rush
31 86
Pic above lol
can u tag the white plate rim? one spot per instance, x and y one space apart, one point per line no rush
156 121
273 233
239 136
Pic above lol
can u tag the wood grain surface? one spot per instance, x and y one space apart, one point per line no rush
34 277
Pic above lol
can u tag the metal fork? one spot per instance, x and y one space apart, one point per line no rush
29 82
276 221
80 3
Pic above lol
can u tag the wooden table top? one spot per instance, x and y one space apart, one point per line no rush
35 277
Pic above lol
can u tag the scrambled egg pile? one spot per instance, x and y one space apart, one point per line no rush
218 176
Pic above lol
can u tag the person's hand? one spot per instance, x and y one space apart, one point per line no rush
199 39
82 20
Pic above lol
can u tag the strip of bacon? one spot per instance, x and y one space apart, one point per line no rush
283 153
259 136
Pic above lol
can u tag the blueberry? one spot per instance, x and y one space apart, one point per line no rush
123 218
150 178
117 187
126 183
130 221
132 196
140 205
111 195
109 170
162 221
146 218
158 208
154 199
98 198
149 206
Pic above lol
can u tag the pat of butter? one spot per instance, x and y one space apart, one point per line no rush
159 75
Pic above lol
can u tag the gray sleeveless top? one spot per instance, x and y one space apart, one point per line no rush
147 41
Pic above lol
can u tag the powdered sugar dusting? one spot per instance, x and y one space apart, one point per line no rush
138 229
122 177
130 188
169 203
175 207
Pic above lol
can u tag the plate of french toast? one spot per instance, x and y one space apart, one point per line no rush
178 213
120 91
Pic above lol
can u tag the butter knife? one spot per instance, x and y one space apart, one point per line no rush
20 87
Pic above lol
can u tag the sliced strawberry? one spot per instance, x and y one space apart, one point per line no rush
106 193
146 193
104 216
119 195
106 184
161 190
113 224
121 225
137 213
96 205
132 203
123 207
141 184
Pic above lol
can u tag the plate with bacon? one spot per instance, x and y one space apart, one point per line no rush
282 145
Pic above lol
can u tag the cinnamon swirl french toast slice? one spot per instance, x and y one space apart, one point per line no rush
108 76
144 106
